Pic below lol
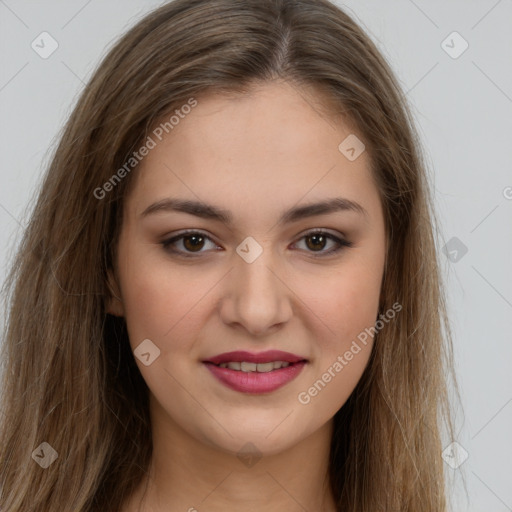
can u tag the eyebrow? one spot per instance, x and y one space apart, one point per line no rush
206 211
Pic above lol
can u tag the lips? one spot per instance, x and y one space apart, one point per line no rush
255 373
269 356
245 366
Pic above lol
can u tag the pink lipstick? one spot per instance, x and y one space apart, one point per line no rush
255 373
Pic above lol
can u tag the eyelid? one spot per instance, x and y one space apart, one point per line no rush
326 231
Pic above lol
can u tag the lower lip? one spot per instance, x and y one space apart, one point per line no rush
256 382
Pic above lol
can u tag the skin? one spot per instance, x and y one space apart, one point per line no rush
255 155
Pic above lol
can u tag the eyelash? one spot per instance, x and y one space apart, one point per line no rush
342 244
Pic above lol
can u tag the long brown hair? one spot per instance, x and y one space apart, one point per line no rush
70 379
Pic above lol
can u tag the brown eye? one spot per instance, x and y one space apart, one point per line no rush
193 242
316 241
188 244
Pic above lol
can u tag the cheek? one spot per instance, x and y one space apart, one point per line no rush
348 302
149 295
348 307
154 304
342 356
163 303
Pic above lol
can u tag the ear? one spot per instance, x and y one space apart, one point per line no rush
114 303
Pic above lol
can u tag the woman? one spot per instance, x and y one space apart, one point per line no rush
228 293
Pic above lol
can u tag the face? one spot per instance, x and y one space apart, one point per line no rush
256 272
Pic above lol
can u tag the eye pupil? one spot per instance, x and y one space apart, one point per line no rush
197 242
318 243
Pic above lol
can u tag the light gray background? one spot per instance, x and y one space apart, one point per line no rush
463 107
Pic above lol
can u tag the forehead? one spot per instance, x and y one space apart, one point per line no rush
277 143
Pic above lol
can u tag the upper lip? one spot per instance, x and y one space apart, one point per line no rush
259 357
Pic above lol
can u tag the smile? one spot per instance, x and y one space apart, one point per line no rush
255 367
258 373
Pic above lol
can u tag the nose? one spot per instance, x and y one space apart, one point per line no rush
256 297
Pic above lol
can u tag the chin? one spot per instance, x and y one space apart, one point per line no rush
268 438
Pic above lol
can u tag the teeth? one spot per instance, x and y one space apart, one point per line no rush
255 367
248 367
264 367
